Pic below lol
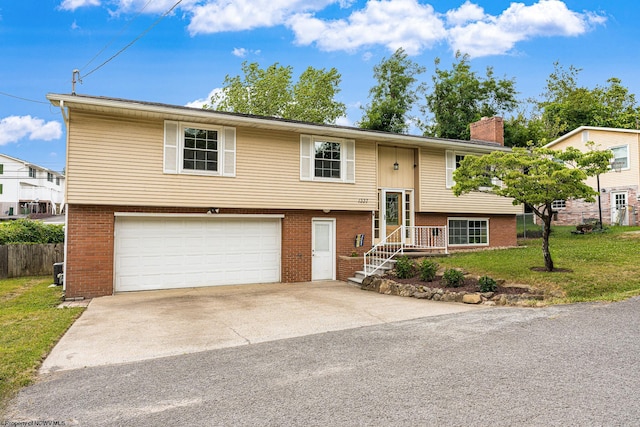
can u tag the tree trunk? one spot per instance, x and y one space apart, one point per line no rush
546 231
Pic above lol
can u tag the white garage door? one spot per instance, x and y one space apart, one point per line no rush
166 252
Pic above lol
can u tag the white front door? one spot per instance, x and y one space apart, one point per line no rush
323 246
396 209
619 214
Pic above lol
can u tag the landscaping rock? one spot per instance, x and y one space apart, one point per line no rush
472 299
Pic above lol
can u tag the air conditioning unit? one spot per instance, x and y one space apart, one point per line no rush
58 273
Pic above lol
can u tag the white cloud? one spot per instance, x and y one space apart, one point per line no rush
237 15
465 13
240 52
411 24
497 35
198 103
14 128
75 4
394 24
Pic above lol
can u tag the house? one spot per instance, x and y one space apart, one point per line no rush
29 189
162 196
619 195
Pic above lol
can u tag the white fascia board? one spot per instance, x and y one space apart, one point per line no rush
195 215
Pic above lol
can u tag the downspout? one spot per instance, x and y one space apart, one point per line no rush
65 116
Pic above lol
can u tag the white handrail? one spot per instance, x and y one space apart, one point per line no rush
414 237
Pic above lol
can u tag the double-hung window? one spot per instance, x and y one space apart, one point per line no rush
32 173
327 159
199 149
49 177
620 157
468 231
453 160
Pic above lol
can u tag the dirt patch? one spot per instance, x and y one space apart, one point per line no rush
555 270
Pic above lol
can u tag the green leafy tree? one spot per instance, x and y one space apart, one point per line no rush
393 97
535 178
460 97
271 92
313 97
566 106
521 131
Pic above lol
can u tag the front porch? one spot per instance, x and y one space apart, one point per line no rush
405 240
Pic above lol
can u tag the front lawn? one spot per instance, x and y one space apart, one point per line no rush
30 325
604 266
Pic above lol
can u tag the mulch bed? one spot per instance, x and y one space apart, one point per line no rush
470 285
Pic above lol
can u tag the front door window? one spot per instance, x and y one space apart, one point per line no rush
393 208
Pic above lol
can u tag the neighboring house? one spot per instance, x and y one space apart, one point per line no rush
162 196
618 188
28 189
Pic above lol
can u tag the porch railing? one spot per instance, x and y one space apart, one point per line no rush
404 237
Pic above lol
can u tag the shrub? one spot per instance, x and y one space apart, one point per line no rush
28 231
405 267
428 270
487 284
453 278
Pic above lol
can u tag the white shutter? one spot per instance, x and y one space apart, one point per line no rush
171 135
229 155
450 167
350 161
306 158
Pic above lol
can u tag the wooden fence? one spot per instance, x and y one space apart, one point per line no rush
29 260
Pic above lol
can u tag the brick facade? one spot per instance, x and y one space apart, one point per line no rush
578 211
490 129
90 243
502 228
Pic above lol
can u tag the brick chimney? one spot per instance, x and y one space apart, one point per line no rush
490 129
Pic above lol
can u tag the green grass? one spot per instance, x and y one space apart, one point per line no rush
30 325
604 266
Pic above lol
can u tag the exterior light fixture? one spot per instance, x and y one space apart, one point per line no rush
396 166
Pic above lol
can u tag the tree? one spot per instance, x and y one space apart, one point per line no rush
459 97
271 92
393 97
566 106
535 178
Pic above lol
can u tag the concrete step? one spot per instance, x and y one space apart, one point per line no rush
355 280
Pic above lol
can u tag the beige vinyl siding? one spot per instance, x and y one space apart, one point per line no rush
436 197
118 160
401 178
605 139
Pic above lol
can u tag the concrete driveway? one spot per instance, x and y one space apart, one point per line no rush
136 326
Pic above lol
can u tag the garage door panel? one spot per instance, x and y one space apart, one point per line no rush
163 253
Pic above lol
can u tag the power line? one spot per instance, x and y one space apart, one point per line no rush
117 35
134 40
23 99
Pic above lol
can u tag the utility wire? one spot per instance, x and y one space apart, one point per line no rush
134 40
23 99
117 35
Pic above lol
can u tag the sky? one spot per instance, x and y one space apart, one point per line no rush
178 52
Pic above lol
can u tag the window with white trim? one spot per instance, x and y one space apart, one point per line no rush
558 204
327 159
49 177
199 149
620 157
468 231
32 173
453 160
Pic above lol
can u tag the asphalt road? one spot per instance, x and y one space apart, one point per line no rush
576 365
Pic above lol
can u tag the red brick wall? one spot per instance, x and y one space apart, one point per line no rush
90 244
578 211
502 228
488 129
